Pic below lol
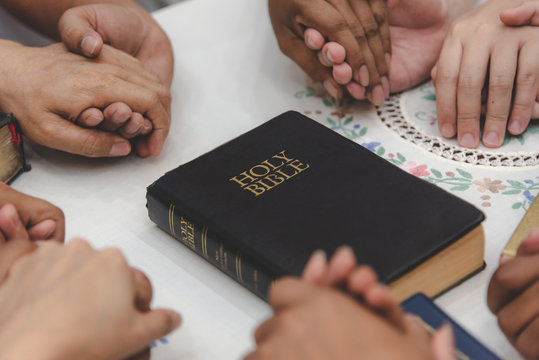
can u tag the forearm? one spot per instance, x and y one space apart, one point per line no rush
456 8
44 15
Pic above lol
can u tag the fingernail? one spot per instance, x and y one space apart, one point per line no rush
176 320
364 76
309 43
467 141
132 127
346 248
388 59
120 149
319 255
378 95
514 127
448 130
491 139
385 86
505 259
356 90
93 120
330 58
332 90
89 44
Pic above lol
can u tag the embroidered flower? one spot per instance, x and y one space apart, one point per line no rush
416 170
489 185
371 146
528 195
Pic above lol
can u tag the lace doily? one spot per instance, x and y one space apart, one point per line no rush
412 115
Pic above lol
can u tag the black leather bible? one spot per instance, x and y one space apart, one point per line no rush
258 206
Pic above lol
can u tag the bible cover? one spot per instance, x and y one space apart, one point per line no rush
259 205
432 317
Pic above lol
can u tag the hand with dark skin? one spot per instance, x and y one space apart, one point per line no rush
366 44
513 296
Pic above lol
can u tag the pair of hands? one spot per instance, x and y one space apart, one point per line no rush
94 106
513 296
358 33
340 311
489 58
61 287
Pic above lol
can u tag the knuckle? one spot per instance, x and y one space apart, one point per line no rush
526 78
446 77
90 146
380 14
337 26
371 29
467 118
496 117
501 83
469 82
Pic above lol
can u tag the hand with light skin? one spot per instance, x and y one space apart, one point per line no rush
84 26
48 88
364 33
320 322
513 296
72 302
417 29
482 52
31 218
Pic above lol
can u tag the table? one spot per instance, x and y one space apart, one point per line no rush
230 77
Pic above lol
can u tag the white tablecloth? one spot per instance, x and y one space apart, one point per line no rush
230 77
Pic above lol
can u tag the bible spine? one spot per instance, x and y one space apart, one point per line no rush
206 244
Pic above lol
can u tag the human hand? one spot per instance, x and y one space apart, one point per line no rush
127 27
72 302
336 21
37 219
314 322
48 88
415 45
513 297
480 45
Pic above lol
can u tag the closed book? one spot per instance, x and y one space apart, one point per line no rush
258 206
432 317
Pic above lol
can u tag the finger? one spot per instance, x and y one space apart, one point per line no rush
443 343
146 127
525 88
530 245
433 72
500 89
265 330
369 24
313 39
517 314
155 324
293 47
362 280
133 127
42 230
77 30
471 78
341 265
90 117
65 136
332 53
11 251
524 14
11 225
527 343
357 91
510 279
116 116
380 14
446 87
380 298
335 27
342 73
288 292
143 290
316 270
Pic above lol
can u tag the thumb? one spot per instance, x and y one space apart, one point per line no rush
524 14
443 343
156 324
66 136
77 28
